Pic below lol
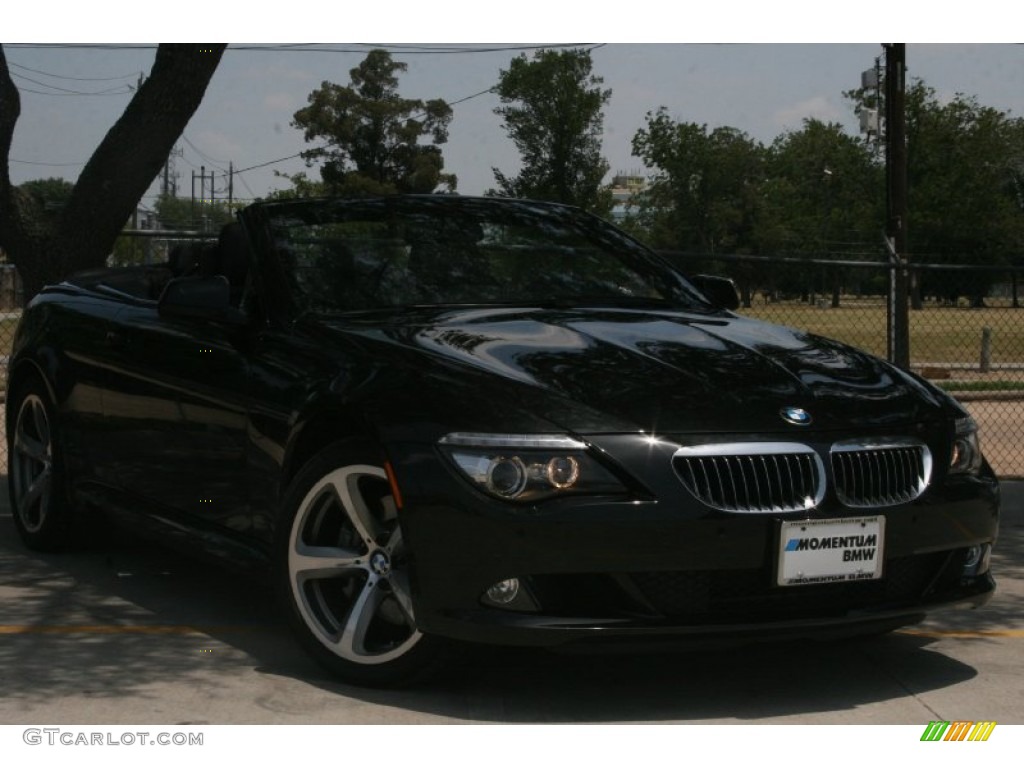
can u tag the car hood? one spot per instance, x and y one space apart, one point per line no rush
660 372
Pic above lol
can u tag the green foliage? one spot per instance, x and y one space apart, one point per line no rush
813 192
824 198
183 213
553 113
965 176
823 194
301 186
705 190
49 194
371 135
820 192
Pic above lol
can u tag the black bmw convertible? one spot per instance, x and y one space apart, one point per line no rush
433 419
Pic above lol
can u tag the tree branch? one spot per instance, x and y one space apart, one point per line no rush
135 149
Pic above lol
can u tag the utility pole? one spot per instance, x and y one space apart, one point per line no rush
231 183
203 200
202 195
170 186
896 201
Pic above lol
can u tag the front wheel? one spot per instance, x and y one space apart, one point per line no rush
345 570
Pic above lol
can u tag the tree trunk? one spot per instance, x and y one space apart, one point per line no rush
110 186
916 301
33 267
745 294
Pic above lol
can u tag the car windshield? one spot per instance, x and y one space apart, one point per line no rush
359 255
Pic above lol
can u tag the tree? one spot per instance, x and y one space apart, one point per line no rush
46 248
372 134
51 195
824 200
965 169
965 175
301 186
704 193
553 114
826 193
185 213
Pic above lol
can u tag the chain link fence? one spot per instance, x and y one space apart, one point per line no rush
966 329
966 326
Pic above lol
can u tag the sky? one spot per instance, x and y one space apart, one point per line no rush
762 88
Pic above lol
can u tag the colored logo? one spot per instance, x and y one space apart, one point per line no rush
797 416
958 730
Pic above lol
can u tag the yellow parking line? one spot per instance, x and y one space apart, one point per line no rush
963 632
109 629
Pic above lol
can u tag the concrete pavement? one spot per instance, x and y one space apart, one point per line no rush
130 633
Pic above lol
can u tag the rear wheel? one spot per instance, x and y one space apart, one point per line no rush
36 472
345 570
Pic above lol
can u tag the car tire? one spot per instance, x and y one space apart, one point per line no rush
343 569
35 471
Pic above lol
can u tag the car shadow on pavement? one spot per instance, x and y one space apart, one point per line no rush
147 618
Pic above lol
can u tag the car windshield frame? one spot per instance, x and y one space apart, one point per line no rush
343 256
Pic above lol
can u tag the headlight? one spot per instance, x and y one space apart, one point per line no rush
965 454
528 468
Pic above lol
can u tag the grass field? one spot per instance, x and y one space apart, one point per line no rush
937 334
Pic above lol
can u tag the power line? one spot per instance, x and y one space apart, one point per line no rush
451 49
473 96
299 154
69 92
269 162
302 48
50 93
203 155
132 75
239 171
247 187
52 165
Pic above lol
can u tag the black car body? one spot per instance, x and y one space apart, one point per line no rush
434 418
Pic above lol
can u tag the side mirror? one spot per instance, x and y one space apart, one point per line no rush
720 291
201 298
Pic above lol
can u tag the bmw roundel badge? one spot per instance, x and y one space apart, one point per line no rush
797 416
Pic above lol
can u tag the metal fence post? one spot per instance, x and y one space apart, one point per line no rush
986 350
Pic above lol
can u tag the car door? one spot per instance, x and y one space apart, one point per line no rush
177 416
77 335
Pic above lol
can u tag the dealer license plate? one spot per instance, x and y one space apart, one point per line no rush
824 551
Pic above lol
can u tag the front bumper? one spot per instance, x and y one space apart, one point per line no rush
663 568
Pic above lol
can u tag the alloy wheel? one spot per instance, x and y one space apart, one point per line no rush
32 464
347 567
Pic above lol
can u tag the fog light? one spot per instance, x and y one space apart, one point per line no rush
504 592
978 560
973 557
